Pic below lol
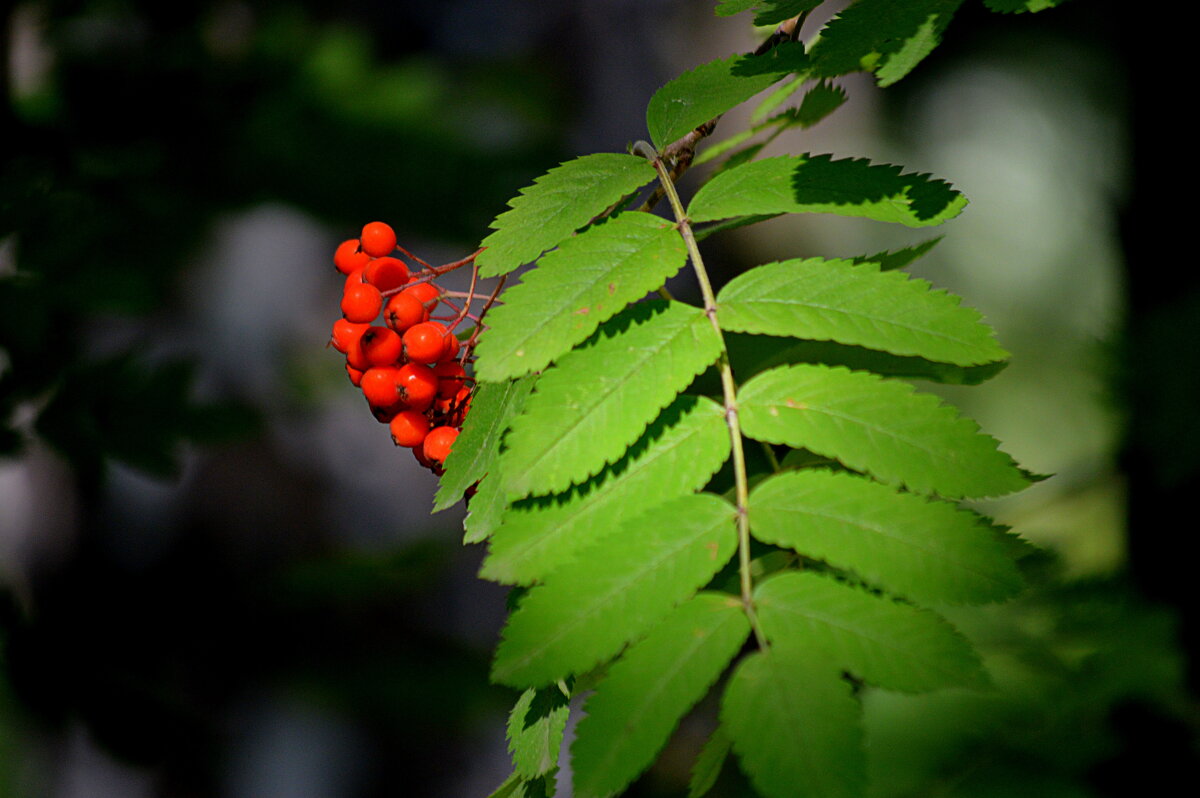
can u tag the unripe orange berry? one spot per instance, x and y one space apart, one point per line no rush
378 239
361 303
409 428
386 273
417 385
425 342
403 311
347 257
345 334
438 442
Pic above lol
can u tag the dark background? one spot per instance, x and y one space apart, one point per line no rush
219 578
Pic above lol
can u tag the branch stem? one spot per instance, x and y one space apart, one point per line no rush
729 391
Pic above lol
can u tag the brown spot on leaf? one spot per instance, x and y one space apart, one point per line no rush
583 311
712 549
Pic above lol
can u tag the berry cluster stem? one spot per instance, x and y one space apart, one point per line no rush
729 389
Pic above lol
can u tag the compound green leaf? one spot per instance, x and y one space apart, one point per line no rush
615 591
783 120
879 427
882 36
731 224
883 642
928 551
795 726
1020 6
772 12
820 101
492 408
485 508
588 279
727 8
535 730
899 258
633 711
709 763
751 354
766 12
515 786
557 204
819 184
711 89
597 399
775 98
676 455
836 300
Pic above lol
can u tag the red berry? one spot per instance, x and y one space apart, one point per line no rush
384 415
347 258
425 293
380 346
386 273
346 334
361 303
417 385
425 342
409 428
355 277
378 239
356 357
438 442
418 452
450 378
355 375
403 311
452 345
380 385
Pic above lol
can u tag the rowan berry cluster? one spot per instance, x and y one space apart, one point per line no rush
412 367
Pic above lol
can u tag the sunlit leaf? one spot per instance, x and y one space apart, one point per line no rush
830 300
819 184
535 730
882 36
795 726
677 455
557 204
617 590
929 551
596 400
492 408
711 89
633 711
880 640
878 426
587 280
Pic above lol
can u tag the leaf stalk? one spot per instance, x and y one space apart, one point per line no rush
729 391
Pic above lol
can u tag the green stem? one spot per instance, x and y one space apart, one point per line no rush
729 389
